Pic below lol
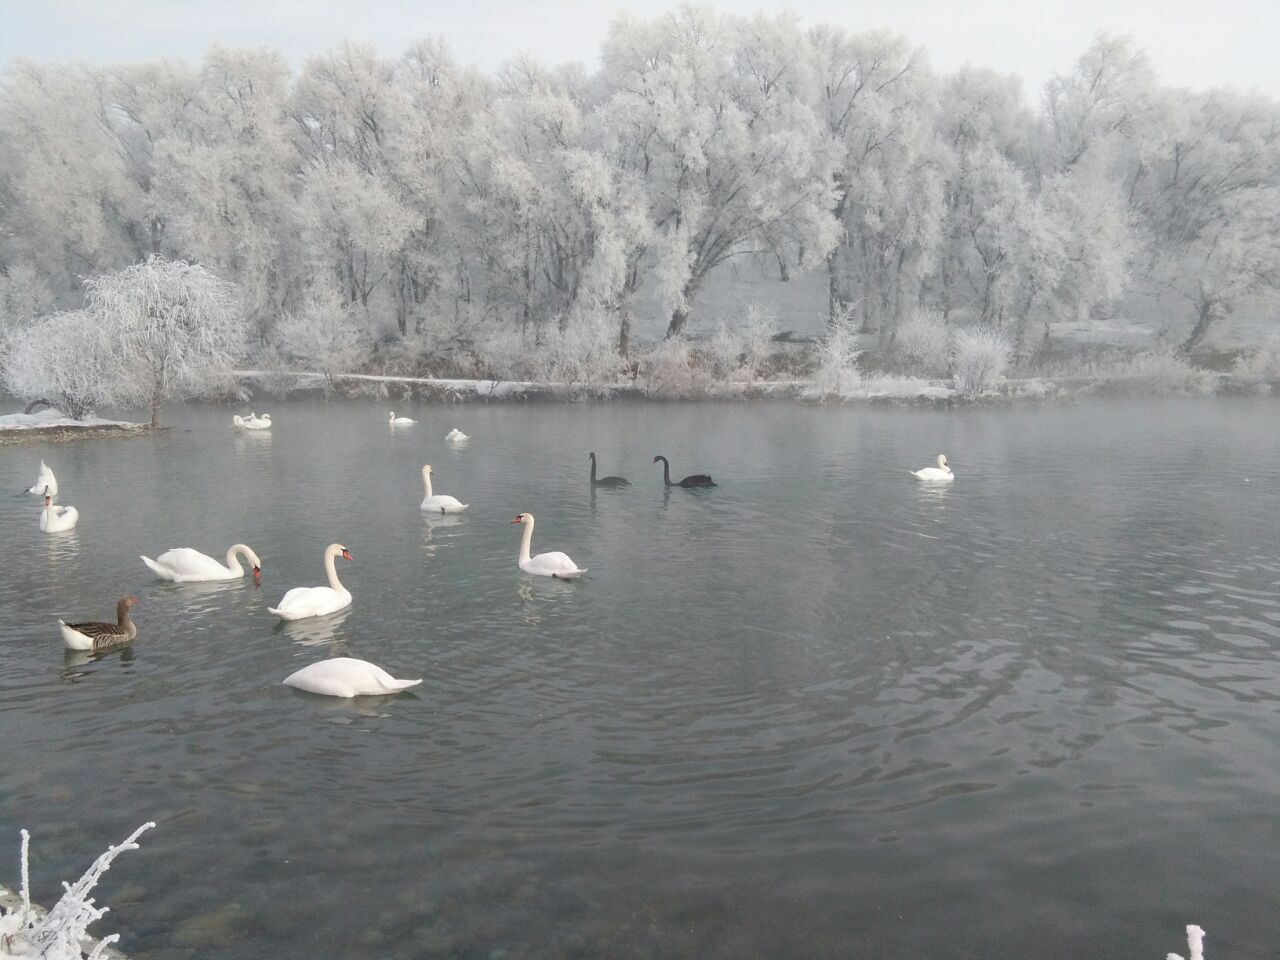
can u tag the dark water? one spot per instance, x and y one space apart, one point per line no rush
821 710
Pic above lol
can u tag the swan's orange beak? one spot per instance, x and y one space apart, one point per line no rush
519 519
257 574
346 554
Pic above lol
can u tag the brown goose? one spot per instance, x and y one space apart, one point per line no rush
99 636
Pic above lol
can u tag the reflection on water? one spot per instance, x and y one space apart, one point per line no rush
820 704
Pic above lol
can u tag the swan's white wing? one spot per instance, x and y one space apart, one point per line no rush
303 602
346 677
554 564
192 564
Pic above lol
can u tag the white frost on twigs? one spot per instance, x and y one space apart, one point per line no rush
58 934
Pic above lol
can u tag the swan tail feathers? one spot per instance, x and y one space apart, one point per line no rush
397 685
154 567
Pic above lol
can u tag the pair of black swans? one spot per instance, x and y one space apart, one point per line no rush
693 480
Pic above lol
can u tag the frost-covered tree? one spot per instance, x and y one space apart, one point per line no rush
225 180
714 114
327 334
1209 197
170 329
878 100
62 359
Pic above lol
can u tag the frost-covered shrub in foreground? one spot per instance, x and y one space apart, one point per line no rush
584 354
58 934
1195 944
978 359
922 345
1163 372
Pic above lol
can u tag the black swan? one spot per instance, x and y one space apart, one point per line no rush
605 481
693 480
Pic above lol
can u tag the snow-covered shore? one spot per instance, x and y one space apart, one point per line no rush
50 424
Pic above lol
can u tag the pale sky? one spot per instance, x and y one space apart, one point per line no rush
1193 43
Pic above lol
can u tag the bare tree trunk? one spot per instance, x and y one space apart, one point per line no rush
157 393
624 329
679 317
835 308
1203 322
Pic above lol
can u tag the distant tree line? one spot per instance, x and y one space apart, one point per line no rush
414 195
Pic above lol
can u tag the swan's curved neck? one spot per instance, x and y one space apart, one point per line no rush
527 541
426 480
233 557
666 471
332 573
593 467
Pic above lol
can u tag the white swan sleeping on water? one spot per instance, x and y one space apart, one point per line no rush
346 677
57 519
456 436
46 482
400 421
301 602
184 565
252 421
552 564
940 472
440 503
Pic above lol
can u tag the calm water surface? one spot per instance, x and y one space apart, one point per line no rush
820 710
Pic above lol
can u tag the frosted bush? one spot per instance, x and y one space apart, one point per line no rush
1263 362
60 358
669 370
58 934
838 358
922 345
584 354
978 359
1195 944
326 335
1164 372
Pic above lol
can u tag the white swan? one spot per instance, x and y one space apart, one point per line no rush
57 519
46 482
440 503
940 472
184 565
553 564
301 602
456 436
346 677
400 421
253 421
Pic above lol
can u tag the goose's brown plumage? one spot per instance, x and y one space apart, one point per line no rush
104 636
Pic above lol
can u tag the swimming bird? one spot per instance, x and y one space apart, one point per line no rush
185 565
693 480
302 602
252 421
440 503
46 482
553 564
57 519
940 472
605 481
346 677
456 436
400 421
98 636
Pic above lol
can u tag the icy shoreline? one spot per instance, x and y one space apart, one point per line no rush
870 389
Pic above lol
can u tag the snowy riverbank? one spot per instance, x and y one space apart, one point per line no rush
53 425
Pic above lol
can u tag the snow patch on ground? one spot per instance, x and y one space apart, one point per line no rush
47 418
